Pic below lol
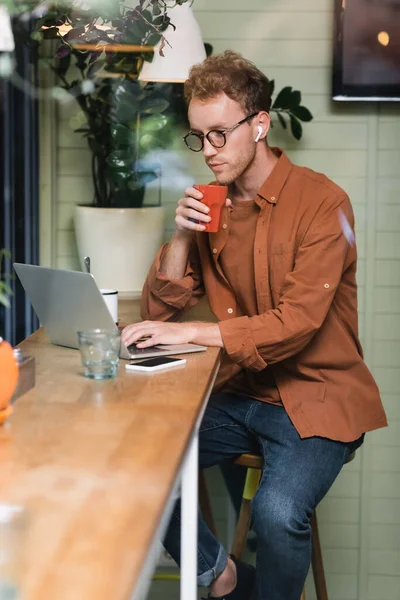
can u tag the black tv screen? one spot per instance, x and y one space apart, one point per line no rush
367 50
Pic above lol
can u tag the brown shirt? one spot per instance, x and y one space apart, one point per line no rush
306 324
239 273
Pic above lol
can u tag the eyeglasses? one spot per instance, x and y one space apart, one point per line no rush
216 137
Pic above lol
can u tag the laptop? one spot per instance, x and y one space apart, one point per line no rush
70 301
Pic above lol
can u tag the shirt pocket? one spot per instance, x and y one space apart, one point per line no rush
281 262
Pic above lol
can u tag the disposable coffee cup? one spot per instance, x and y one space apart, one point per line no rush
214 196
111 300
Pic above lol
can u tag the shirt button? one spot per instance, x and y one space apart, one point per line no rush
230 310
224 226
215 251
272 198
326 285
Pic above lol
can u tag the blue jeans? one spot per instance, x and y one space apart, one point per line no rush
297 473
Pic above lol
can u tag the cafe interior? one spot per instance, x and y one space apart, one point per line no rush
92 163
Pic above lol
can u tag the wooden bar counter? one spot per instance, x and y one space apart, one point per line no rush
94 463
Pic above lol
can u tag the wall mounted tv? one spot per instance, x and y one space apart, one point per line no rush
367 50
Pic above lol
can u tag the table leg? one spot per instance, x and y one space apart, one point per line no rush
189 501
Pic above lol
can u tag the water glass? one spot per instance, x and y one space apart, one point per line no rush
99 350
13 528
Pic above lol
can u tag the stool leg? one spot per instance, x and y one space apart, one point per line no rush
317 562
242 529
205 504
243 524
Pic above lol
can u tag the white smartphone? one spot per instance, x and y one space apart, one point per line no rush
155 364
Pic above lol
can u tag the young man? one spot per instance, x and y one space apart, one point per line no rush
280 278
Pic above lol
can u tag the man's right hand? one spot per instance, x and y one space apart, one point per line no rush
191 213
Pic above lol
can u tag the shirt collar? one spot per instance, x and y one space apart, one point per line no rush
273 185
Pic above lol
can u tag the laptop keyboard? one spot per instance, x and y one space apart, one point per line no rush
134 351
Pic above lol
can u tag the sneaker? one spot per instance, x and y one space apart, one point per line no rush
245 586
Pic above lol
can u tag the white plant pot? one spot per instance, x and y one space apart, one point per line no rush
121 244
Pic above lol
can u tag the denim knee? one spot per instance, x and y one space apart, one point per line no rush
279 520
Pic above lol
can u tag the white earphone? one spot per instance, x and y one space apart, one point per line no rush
260 130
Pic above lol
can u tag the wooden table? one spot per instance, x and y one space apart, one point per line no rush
96 464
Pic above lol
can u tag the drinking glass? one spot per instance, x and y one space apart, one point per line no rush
99 350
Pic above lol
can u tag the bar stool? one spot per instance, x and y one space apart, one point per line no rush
253 463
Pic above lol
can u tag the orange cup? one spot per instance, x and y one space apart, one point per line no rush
214 197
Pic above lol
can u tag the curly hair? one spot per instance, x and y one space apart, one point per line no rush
233 75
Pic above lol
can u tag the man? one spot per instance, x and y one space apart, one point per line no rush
280 278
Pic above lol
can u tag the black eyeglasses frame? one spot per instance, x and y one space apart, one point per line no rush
222 132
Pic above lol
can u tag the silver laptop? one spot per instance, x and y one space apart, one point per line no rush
70 301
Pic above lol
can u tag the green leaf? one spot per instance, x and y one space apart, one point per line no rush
148 142
158 20
121 179
4 253
152 40
148 15
40 22
4 300
48 20
5 288
125 112
155 106
122 135
127 98
128 91
136 32
271 86
208 48
302 113
50 34
297 129
62 65
282 120
120 159
283 99
148 57
296 98
156 10
94 68
154 123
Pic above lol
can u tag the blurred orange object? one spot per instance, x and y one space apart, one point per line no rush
8 378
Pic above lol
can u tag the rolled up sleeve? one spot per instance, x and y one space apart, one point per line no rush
239 343
163 298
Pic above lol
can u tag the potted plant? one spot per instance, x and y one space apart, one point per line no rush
97 61
100 49
8 362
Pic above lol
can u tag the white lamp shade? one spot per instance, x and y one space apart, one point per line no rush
6 34
186 50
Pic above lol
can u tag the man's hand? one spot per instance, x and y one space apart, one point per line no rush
159 332
191 213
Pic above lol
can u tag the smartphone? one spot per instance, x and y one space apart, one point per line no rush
155 364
